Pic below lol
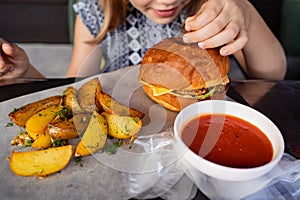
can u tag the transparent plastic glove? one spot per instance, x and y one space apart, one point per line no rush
284 178
167 179
286 181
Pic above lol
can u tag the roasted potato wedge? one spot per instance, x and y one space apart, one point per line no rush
42 141
122 127
97 102
112 106
20 115
40 162
22 139
94 138
62 130
81 121
70 100
37 123
86 95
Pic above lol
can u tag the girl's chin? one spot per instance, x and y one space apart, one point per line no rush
160 20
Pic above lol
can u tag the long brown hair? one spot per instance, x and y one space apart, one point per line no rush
115 13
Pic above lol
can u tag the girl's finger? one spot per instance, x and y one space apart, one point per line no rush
9 49
206 14
2 62
226 36
238 44
213 28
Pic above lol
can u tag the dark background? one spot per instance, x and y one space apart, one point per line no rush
34 21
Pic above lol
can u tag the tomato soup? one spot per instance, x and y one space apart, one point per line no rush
227 140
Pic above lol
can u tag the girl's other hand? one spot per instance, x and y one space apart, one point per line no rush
220 23
13 60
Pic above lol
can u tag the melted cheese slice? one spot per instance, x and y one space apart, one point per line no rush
159 91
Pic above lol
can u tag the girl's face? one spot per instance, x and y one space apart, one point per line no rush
160 11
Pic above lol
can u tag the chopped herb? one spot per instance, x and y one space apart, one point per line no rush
112 148
60 113
135 119
64 93
127 130
83 119
28 143
64 112
78 161
58 143
9 124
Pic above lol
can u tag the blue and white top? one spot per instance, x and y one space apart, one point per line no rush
126 45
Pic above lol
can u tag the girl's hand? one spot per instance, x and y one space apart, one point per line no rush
220 23
13 60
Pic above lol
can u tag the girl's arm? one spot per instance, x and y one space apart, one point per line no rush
237 27
82 62
263 55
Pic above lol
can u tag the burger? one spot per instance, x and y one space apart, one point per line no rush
175 74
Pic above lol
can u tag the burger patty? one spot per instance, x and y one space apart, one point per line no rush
191 92
201 93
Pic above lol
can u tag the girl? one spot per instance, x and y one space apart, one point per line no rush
125 29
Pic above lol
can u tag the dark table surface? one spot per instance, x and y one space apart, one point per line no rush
278 100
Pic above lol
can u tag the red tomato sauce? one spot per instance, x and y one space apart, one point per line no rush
227 140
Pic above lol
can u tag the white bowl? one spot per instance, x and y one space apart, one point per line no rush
241 111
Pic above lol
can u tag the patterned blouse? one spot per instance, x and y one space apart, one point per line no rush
126 45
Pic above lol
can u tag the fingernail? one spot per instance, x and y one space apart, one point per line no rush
187 28
201 45
186 40
4 46
224 52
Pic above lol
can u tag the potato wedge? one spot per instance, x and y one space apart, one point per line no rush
22 139
70 100
94 138
97 102
20 115
122 127
41 162
37 123
62 130
86 95
81 121
42 141
112 106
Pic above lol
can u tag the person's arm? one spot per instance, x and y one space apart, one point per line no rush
236 27
81 64
263 55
